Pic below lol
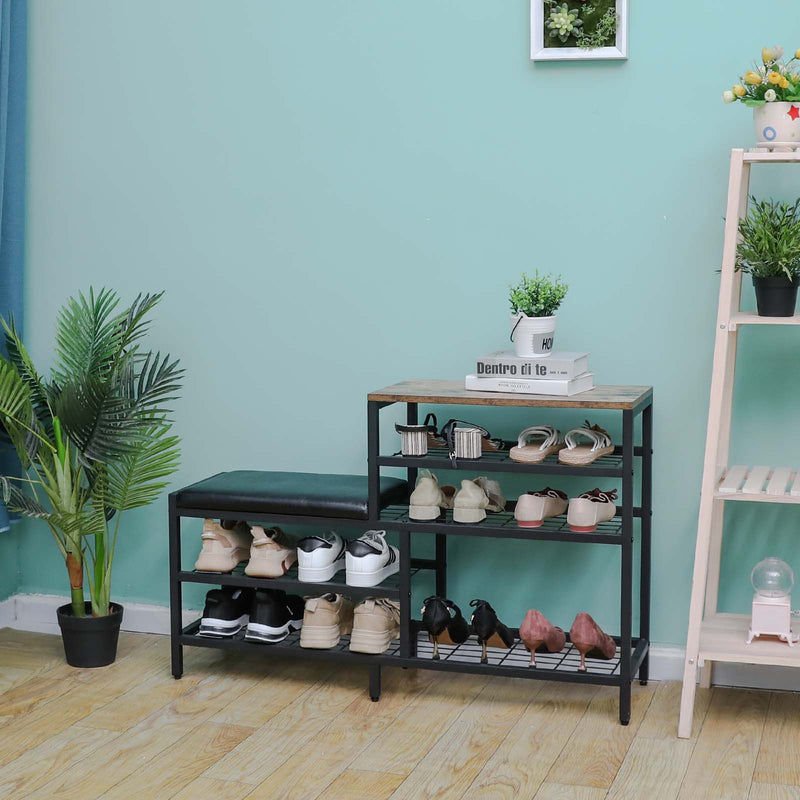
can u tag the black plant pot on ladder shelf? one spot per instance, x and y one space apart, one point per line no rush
776 296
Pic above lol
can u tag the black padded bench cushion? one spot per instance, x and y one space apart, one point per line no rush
302 493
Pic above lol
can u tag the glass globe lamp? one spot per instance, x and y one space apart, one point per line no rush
772 578
772 604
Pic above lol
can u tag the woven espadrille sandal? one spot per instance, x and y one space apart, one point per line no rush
535 444
579 455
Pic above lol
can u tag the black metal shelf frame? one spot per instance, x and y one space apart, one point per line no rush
622 464
410 651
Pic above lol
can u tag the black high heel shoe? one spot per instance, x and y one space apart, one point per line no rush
485 624
440 615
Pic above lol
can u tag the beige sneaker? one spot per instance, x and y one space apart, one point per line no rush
376 622
325 620
271 554
224 547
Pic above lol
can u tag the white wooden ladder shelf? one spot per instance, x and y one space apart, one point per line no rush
713 636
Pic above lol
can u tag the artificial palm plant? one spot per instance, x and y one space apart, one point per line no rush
94 439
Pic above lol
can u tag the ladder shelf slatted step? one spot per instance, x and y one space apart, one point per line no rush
750 318
759 484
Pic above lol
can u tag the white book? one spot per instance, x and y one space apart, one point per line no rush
581 383
557 366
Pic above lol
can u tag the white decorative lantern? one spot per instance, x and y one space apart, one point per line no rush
772 605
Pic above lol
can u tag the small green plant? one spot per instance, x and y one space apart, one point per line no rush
769 243
604 33
539 296
564 21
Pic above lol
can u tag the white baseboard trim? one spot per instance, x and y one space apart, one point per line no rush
37 612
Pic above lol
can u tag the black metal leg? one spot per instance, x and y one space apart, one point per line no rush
441 565
373 451
625 703
175 591
375 683
626 600
406 644
647 513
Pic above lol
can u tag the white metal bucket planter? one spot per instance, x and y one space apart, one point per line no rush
533 336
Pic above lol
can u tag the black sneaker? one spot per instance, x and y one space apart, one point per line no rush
226 612
273 615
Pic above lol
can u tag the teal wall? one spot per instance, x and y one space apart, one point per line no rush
8 565
297 175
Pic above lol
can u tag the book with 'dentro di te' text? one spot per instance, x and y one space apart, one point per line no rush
556 366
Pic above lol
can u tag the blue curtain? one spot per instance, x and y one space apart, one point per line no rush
13 61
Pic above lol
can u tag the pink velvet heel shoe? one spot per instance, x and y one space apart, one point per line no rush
538 634
589 640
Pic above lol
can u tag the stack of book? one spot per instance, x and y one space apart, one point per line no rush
562 374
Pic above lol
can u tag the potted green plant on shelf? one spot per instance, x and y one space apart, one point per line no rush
94 441
534 302
772 90
769 251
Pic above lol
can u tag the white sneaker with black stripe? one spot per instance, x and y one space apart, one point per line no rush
370 560
320 557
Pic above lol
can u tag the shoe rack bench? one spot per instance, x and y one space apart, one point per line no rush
413 648
628 459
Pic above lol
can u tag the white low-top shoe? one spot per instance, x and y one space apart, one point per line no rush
428 498
320 557
224 546
370 560
533 508
591 508
470 503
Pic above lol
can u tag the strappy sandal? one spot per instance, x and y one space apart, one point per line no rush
447 435
579 455
526 452
488 628
417 439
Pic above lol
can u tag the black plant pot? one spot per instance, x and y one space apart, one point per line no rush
90 641
776 297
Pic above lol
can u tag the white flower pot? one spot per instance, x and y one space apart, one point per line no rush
532 336
777 125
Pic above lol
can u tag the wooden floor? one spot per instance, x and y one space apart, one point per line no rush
237 727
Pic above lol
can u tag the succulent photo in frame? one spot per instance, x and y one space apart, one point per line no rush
579 29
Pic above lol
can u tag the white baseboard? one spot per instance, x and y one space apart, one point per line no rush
7 612
37 612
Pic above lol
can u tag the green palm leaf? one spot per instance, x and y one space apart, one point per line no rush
21 503
137 478
19 357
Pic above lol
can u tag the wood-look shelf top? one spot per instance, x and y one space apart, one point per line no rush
453 392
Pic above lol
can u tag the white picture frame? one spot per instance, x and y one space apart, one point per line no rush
539 52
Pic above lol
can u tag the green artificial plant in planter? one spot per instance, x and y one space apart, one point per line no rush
534 302
769 251
94 441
